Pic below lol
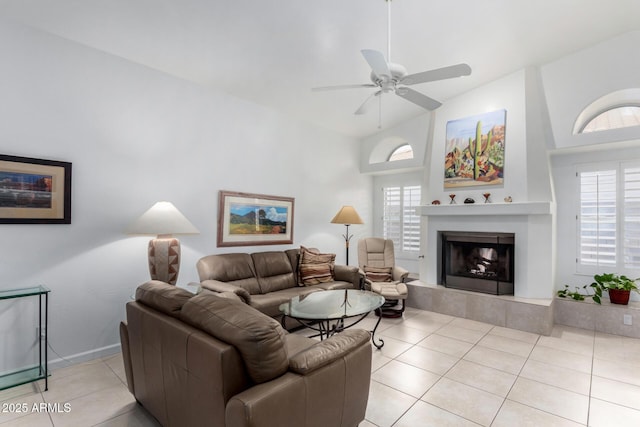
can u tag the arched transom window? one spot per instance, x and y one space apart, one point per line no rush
403 152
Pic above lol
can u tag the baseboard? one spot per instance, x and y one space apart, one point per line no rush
74 359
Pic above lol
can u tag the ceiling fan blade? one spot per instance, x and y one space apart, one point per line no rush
417 98
377 62
449 72
323 88
365 105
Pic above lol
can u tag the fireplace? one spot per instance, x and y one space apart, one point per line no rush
477 261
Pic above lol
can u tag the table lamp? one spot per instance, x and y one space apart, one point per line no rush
164 220
347 215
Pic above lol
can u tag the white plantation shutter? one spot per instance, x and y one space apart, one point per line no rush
410 220
631 228
391 220
609 219
399 222
597 218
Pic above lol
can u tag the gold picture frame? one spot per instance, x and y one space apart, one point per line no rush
246 219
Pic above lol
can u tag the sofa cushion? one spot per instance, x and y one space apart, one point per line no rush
259 339
378 274
236 269
315 267
274 271
163 297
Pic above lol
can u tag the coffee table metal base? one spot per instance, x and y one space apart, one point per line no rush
329 327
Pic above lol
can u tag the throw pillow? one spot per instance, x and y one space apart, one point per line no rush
315 267
378 274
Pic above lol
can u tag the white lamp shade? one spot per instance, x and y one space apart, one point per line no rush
347 215
163 218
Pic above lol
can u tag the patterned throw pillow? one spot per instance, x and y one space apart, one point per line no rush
315 268
378 274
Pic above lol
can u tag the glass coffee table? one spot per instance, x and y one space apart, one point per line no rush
329 312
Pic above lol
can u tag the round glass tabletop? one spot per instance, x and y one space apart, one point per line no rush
333 304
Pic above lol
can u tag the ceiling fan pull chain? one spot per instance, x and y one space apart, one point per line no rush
380 111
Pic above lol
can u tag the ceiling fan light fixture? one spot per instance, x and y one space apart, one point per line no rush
387 76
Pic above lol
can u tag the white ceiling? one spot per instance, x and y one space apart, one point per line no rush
273 51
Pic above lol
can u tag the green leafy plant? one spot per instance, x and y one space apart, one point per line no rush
601 283
576 295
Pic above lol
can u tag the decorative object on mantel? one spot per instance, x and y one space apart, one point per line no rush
435 202
34 191
508 199
486 197
453 199
475 150
347 215
469 201
618 286
254 219
164 220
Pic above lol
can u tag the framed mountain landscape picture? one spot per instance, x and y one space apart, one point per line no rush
474 153
254 219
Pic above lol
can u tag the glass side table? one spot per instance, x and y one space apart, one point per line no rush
41 371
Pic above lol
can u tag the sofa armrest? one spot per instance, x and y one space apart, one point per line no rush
400 274
347 273
126 355
217 286
291 400
325 352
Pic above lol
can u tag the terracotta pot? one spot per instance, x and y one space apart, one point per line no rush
618 296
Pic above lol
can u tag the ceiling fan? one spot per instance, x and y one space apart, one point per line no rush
390 77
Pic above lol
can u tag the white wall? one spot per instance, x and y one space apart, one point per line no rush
575 81
136 136
534 234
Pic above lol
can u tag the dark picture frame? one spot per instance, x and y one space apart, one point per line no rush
34 191
246 219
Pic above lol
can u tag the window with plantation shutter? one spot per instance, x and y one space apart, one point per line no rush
400 223
631 230
410 220
597 218
609 218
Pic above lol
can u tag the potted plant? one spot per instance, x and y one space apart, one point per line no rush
618 286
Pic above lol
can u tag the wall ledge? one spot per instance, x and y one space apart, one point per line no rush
516 208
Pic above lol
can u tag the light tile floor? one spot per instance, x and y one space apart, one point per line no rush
434 370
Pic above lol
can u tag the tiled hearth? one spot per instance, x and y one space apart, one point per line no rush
524 314
530 315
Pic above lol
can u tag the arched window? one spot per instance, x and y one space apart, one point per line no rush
615 110
614 118
403 152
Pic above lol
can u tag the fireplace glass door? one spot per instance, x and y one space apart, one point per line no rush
480 262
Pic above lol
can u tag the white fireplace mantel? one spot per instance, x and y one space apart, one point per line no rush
516 208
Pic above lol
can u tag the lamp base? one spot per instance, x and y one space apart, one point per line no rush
164 259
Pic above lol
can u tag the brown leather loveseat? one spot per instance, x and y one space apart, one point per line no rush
265 280
212 360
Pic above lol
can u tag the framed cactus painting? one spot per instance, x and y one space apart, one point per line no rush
474 154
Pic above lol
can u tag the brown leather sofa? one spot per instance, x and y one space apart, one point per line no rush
212 360
264 280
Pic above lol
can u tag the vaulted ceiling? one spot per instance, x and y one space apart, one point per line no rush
272 52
